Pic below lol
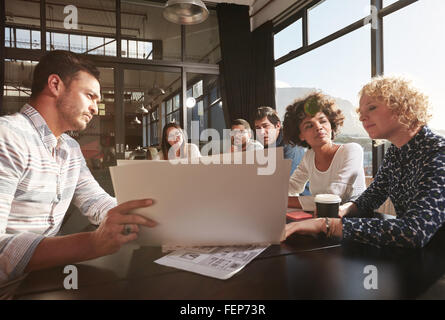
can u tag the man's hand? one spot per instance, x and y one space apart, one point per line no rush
110 235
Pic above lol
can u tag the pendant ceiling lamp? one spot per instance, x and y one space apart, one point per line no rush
185 12
156 90
136 121
142 109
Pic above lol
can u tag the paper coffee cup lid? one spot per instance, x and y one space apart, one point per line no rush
327 198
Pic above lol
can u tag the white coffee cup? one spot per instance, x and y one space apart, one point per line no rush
327 205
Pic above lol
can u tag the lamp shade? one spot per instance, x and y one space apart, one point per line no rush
185 11
156 91
136 121
142 109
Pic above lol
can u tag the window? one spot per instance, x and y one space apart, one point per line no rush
204 88
35 39
132 49
172 110
124 48
341 78
150 33
96 45
154 122
423 62
110 47
388 2
137 49
202 41
289 39
7 37
57 41
216 117
78 43
23 38
329 16
413 47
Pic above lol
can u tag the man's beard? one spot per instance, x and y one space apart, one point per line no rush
69 115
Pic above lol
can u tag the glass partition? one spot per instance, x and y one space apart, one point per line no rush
146 95
146 34
202 41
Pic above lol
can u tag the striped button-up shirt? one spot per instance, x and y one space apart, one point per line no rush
39 176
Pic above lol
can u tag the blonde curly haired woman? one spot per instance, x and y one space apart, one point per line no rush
412 174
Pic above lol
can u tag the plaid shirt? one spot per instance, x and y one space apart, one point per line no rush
39 176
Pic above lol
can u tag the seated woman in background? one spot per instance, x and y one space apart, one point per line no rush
412 174
173 145
312 122
241 137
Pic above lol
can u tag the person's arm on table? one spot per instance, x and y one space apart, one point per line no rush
107 239
316 226
414 229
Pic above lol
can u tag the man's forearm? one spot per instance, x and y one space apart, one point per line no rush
62 250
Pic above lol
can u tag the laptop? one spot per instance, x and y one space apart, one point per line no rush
206 203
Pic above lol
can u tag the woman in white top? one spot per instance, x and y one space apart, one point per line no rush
241 137
173 145
330 168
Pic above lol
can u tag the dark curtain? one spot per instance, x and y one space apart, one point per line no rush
2 52
247 64
237 89
263 57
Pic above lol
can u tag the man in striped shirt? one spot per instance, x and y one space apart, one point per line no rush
42 170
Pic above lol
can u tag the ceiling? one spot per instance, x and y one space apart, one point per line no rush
242 2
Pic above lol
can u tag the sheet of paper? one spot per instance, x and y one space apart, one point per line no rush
216 262
206 204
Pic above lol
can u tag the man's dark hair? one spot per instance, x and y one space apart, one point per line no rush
271 114
63 63
241 122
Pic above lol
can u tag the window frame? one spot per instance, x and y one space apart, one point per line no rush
377 51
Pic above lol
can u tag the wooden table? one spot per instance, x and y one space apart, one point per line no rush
303 267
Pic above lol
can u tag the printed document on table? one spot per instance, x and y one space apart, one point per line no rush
216 262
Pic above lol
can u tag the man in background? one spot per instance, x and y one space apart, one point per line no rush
269 131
